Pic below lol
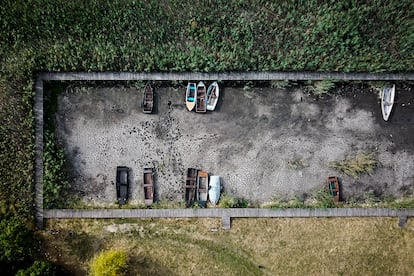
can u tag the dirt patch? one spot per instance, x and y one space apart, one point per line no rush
251 141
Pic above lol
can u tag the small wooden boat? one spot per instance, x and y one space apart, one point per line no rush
122 184
212 96
333 186
202 188
214 191
190 186
387 101
148 99
201 105
190 96
148 186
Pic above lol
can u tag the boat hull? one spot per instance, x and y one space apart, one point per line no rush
213 93
202 188
190 186
333 187
387 101
148 99
148 186
214 189
190 96
201 98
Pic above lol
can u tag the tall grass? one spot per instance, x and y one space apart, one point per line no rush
356 165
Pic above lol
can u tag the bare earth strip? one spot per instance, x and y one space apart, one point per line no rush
249 141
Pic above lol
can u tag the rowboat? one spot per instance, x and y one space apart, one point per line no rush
387 101
202 188
201 98
333 187
212 96
190 186
214 191
190 96
122 184
148 186
148 99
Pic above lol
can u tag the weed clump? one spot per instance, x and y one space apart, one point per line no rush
356 166
319 88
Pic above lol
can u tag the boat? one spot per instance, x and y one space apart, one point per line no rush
190 96
148 99
201 98
387 101
202 188
212 96
214 191
333 187
122 184
148 186
190 186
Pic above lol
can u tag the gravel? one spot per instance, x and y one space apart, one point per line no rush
251 140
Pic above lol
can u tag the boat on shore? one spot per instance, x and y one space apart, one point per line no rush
148 99
202 188
387 101
201 105
214 191
190 96
333 187
148 186
190 186
213 93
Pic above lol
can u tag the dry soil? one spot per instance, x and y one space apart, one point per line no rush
263 142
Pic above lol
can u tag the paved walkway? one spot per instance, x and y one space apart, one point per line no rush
227 214
38 112
234 76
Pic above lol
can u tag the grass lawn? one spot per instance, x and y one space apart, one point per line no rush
315 246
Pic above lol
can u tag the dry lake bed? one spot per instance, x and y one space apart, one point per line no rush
263 142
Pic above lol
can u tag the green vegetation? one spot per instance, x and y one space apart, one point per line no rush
109 263
318 199
357 165
54 177
297 164
370 246
319 88
38 268
229 201
15 241
176 35
127 35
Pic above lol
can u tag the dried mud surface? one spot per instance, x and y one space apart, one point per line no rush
251 141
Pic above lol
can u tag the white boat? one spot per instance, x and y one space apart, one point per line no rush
214 192
212 96
387 101
190 96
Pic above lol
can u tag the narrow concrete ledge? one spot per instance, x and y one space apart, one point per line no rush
38 114
220 213
234 76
